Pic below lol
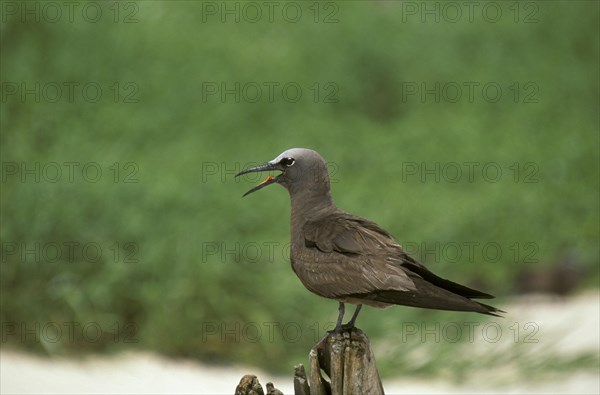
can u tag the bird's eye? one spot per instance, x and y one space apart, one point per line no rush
287 162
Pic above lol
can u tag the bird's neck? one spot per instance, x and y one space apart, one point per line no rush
310 205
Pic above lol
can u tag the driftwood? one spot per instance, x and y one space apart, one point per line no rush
345 358
249 385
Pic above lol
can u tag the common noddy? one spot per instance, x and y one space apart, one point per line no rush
350 259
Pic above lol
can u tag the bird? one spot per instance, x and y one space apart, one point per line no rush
350 259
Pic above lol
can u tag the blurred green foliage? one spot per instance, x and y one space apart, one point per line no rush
179 246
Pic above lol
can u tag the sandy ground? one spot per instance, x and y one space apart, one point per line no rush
574 328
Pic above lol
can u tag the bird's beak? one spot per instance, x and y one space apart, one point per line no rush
267 181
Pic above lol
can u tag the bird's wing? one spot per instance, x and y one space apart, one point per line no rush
351 253
417 268
373 262
347 235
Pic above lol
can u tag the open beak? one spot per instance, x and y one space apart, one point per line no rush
267 181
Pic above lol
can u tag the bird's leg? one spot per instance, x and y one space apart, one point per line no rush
350 323
341 309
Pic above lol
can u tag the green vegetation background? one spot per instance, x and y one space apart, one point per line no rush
184 221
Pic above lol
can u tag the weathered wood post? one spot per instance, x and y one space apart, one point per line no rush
347 360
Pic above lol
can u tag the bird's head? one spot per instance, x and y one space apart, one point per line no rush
301 169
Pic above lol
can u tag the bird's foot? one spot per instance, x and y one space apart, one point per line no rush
349 327
337 330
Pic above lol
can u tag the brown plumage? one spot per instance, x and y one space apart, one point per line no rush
340 256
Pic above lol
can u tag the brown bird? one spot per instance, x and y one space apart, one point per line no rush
350 259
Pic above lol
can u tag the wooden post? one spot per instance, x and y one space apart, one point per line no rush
347 360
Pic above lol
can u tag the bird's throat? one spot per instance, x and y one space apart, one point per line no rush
308 206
